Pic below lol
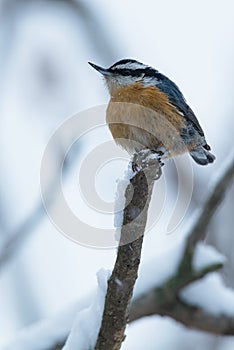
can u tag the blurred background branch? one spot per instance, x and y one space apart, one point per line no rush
11 12
164 299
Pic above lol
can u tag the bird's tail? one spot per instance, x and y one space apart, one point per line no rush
202 156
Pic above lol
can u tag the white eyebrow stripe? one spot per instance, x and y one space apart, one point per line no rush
130 65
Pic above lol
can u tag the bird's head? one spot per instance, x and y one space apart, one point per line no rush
125 73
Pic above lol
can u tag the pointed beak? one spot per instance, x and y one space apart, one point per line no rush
101 70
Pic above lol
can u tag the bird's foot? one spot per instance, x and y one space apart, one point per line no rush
144 158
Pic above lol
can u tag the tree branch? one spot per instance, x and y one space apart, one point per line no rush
190 316
199 230
124 275
99 38
164 300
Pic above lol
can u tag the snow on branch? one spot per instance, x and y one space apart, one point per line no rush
121 283
187 288
88 321
191 310
191 306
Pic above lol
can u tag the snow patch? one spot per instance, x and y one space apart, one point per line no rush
210 294
206 255
120 199
49 332
87 323
158 270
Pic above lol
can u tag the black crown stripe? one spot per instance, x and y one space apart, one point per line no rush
124 61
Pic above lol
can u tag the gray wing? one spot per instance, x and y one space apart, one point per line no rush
177 99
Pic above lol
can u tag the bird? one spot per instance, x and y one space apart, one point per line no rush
147 110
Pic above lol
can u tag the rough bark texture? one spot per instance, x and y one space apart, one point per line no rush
121 283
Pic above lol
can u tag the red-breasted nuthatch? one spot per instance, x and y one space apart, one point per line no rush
148 111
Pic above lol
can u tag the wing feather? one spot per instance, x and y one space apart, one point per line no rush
177 99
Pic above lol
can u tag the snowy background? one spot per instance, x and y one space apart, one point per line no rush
45 78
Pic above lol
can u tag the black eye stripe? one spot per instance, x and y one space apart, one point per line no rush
149 72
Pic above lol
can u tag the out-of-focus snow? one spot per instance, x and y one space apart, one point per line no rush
156 271
211 294
49 332
227 163
205 256
159 333
87 323
82 319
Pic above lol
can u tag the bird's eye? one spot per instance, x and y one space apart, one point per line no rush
123 71
128 72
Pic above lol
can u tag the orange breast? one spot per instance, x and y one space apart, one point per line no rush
142 117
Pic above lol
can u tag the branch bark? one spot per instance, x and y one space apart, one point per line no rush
124 275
